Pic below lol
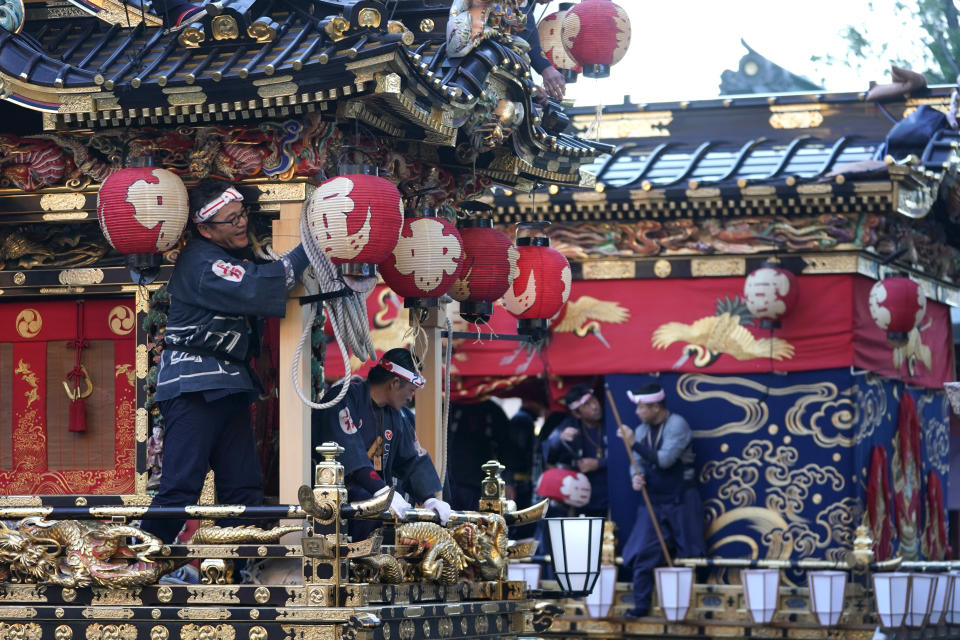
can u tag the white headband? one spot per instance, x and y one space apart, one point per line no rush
418 380
210 209
576 404
648 398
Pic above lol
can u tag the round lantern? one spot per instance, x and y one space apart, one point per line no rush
426 261
897 305
596 33
355 221
541 287
489 268
770 292
142 212
551 43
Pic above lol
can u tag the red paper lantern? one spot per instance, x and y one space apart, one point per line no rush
551 43
426 261
770 291
355 218
142 210
489 268
566 486
897 305
597 34
542 285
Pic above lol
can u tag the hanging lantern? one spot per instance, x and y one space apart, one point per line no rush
770 291
551 43
541 287
597 34
426 261
142 212
489 268
897 305
355 221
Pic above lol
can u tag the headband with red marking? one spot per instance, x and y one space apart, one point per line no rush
576 404
646 398
414 378
210 209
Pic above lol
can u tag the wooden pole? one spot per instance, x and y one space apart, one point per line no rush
429 412
643 490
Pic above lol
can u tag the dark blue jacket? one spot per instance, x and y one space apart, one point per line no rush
589 443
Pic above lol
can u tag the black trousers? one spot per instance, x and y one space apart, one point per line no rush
203 435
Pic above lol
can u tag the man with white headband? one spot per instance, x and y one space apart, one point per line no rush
663 448
580 443
219 295
380 443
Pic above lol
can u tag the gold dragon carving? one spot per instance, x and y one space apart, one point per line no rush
79 554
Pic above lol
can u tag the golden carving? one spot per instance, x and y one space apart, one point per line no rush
105 613
644 124
311 632
445 627
337 28
81 501
278 89
261 595
480 625
116 596
254 614
155 614
57 291
257 633
29 322
21 593
224 27
212 595
62 201
142 361
713 267
407 630
111 632
608 270
63 632
164 594
799 116
121 318
283 192
427 25
28 631
159 632
262 31
75 277
185 96
203 614
207 632
19 278
841 263
369 18
191 37
389 83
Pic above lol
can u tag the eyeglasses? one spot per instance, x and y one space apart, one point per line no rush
234 220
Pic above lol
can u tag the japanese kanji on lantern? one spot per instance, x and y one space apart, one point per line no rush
897 305
355 220
551 43
489 268
541 287
596 33
770 292
426 260
142 212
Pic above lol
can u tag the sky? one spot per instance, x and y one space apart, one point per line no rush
679 48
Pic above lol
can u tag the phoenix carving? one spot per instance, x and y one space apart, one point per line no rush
709 338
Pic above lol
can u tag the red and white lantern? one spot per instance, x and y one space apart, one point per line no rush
551 43
426 261
897 305
355 218
142 210
489 268
770 292
566 486
542 285
597 34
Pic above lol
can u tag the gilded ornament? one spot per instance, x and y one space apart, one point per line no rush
28 631
254 614
59 612
212 595
107 613
68 595
608 269
224 27
19 278
464 626
155 614
142 361
262 30
29 322
480 625
261 551
427 25
257 633
646 124
203 614
159 632
111 632
337 28
445 627
662 268
63 632
75 277
385 630
141 421
208 632
407 630
791 116
62 201
121 319
81 501
262 595
369 18
714 267
164 594
427 631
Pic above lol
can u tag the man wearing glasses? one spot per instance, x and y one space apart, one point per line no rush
218 298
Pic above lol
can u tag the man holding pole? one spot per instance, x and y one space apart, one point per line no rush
664 471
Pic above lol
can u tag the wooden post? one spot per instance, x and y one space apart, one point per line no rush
295 467
429 400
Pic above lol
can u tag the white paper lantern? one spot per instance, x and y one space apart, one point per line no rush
674 587
826 595
761 591
891 594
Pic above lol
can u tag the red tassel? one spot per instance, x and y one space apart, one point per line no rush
78 416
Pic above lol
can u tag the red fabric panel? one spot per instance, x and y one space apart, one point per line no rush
927 360
6 407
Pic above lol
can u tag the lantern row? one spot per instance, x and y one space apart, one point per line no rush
589 38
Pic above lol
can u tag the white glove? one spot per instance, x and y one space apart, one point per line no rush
398 506
442 508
